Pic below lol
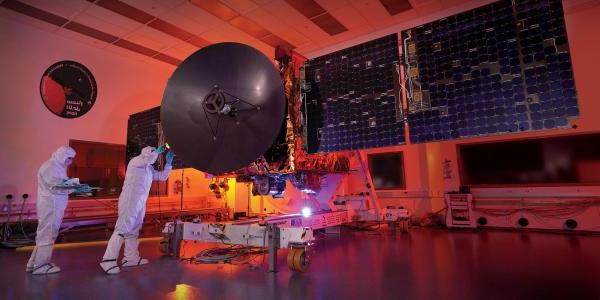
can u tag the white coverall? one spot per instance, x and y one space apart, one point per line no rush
50 207
132 208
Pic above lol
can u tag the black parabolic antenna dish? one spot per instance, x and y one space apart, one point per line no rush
223 107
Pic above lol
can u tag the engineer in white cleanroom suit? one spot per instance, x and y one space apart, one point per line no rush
132 208
50 207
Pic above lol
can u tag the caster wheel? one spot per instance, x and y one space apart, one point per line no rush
297 260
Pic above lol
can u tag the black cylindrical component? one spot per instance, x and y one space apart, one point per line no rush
482 221
570 224
523 222
25 196
8 196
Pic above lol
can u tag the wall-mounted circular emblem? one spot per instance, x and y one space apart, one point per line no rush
68 89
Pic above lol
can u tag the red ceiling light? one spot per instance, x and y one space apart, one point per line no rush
396 6
125 9
274 41
328 23
309 8
216 8
91 32
34 12
141 16
136 47
227 14
167 59
198 42
51 18
318 15
170 29
250 27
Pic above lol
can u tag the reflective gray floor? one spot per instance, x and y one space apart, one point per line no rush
424 264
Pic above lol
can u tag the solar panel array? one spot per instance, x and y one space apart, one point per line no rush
349 98
500 68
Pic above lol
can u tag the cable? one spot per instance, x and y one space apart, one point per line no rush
7 239
6 230
409 93
431 219
105 205
11 242
25 196
363 226
159 208
232 255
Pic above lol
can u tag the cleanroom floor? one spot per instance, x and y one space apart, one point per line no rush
423 264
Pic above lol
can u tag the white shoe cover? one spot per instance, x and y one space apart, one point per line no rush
44 269
139 262
110 267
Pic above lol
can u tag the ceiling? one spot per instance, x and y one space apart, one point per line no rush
171 30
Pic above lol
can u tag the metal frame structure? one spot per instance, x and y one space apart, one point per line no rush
294 231
273 233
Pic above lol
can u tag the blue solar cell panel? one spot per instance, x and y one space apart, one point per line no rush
490 78
350 102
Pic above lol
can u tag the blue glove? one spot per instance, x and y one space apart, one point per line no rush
161 149
83 189
169 158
